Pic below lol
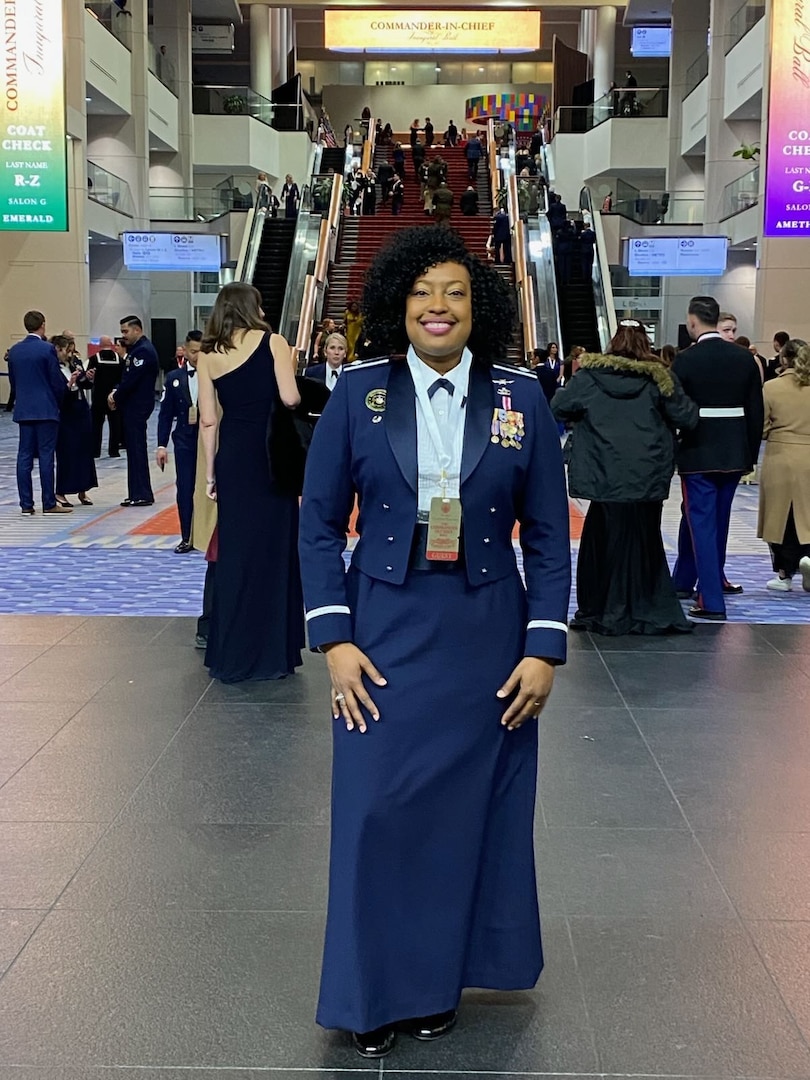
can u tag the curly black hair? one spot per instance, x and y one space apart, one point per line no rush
399 263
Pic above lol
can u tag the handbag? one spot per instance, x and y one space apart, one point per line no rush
290 431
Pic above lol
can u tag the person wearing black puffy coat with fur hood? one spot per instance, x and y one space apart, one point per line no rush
625 409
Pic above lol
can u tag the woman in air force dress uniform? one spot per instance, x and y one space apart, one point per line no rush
440 659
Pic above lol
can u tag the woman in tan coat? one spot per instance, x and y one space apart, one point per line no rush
784 487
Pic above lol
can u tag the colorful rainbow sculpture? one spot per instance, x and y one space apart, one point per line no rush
522 111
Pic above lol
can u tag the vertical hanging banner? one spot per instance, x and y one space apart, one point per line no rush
787 170
33 148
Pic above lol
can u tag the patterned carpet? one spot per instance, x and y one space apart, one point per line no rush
108 560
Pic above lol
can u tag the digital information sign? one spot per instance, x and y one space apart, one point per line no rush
678 256
33 144
651 41
171 251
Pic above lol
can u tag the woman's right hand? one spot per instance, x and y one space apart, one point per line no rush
211 490
347 665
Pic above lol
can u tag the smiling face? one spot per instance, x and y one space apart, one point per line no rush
438 315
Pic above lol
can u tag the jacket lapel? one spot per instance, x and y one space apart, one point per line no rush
400 420
477 429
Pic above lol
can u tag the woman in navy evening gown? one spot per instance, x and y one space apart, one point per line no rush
257 622
440 658
75 464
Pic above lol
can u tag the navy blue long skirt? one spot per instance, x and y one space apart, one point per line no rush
432 877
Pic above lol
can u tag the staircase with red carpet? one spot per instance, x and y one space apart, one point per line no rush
362 237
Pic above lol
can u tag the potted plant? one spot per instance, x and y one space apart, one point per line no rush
234 104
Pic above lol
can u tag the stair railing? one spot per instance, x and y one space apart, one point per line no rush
369 145
252 237
602 285
524 282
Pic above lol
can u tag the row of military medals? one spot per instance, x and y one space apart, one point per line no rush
507 424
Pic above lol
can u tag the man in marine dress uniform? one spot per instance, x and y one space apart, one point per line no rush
106 369
724 381
178 406
135 397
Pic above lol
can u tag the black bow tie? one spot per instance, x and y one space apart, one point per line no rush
441 384
191 372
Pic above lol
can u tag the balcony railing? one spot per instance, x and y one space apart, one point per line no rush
200 203
627 103
657 207
741 194
108 189
696 73
116 20
744 19
242 101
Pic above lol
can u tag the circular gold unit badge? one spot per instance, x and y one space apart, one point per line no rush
375 400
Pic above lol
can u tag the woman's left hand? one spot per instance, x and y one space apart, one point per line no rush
533 679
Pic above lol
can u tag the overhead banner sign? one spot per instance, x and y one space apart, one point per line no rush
787 171
33 148
383 30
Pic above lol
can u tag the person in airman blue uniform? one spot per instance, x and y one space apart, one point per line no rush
433 634
135 397
178 407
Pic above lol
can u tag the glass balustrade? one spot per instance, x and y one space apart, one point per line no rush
696 73
108 189
622 103
658 207
116 20
744 19
199 203
741 194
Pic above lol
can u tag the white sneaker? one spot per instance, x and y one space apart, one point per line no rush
804 570
779 584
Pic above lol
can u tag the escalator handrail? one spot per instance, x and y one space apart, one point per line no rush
314 283
252 239
602 287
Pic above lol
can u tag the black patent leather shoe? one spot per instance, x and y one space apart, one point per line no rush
709 616
428 1028
732 590
374 1044
183 548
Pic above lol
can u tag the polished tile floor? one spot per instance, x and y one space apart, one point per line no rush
163 853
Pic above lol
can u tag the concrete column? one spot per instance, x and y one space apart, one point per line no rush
261 51
587 32
685 176
604 54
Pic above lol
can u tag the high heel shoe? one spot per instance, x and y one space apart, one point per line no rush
62 501
85 501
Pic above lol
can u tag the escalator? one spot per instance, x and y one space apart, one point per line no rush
578 320
273 265
333 157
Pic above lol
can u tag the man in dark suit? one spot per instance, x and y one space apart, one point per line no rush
178 406
724 381
135 397
38 386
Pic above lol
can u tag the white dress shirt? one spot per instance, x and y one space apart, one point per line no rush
439 428
332 376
